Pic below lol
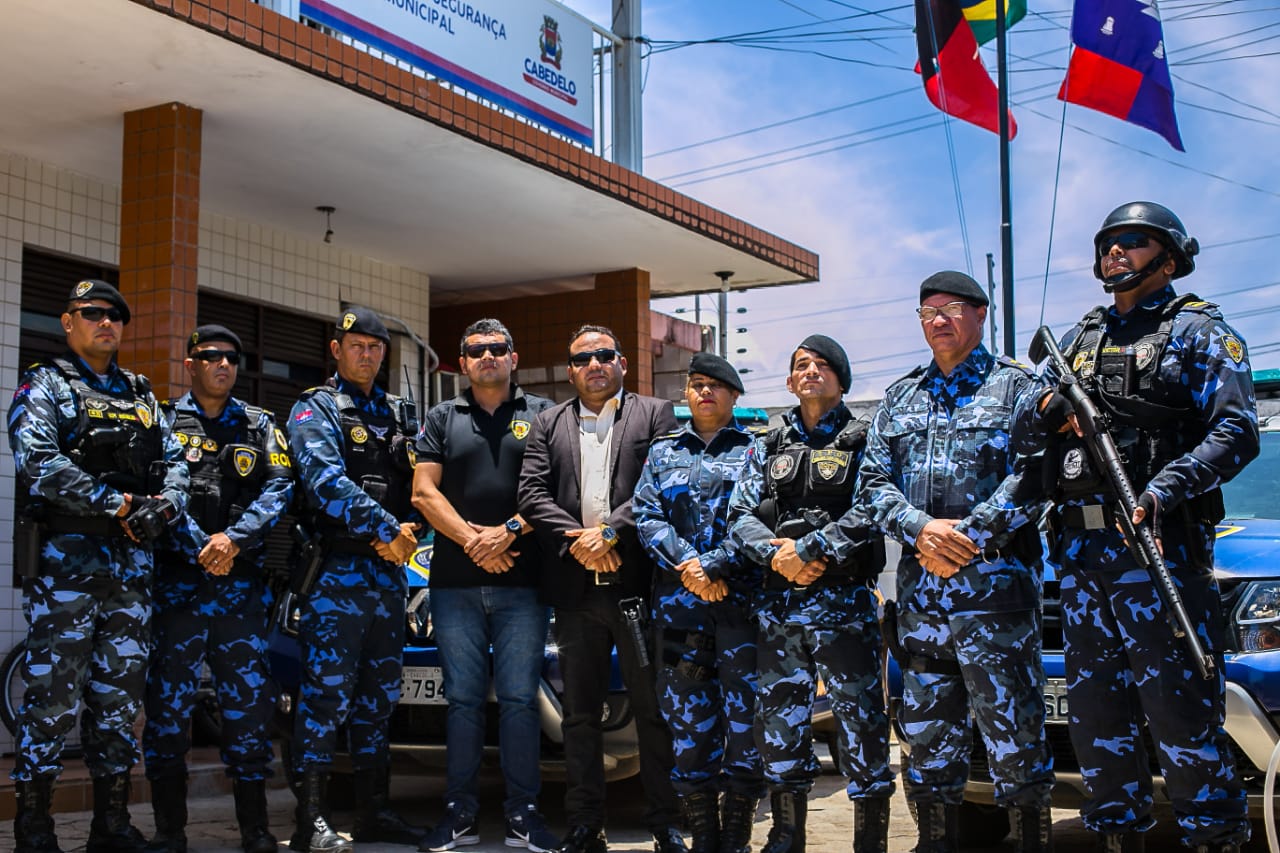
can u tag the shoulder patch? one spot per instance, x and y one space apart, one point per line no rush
1234 348
303 416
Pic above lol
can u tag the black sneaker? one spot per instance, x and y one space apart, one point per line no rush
527 829
456 829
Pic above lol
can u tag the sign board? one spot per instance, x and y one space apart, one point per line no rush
532 57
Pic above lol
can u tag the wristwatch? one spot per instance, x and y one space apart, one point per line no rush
608 534
513 526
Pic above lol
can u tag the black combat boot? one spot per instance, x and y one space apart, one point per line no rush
1032 828
375 821
169 803
789 812
701 811
938 825
313 833
32 824
1123 842
871 825
110 830
737 814
251 815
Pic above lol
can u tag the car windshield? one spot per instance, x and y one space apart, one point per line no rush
1253 492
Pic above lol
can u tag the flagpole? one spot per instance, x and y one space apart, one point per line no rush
1006 193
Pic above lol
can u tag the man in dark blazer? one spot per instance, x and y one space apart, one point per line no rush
581 464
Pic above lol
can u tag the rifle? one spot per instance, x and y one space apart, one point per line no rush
1140 538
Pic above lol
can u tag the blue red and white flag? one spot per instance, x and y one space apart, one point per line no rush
1118 66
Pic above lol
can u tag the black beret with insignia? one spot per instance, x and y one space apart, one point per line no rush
90 289
362 321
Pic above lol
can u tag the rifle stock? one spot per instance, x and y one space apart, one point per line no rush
1140 538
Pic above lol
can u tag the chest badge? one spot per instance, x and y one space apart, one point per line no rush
1234 348
209 444
781 467
194 454
144 414
520 429
1144 353
181 437
829 462
245 459
281 440
1073 463
1081 357
359 435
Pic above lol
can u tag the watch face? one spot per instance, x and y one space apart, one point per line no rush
513 526
610 535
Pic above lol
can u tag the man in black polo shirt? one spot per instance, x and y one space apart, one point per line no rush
484 577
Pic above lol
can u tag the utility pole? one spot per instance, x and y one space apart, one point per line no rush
724 276
627 126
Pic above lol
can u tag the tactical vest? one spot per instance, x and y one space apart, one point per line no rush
1151 421
378 454
117 436
227 475
807 488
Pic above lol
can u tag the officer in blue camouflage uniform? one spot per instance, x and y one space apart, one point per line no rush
102 477
792 514
210 593
940 477
352 444
1175 381
707 669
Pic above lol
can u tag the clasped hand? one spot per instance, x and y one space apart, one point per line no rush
942 549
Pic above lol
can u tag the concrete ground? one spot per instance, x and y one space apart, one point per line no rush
212 822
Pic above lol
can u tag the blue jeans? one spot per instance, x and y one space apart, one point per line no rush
467 622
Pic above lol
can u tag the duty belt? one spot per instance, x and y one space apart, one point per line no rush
86 525
1087 517
339 544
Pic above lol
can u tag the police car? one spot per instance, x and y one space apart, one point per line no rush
417 729
1248 573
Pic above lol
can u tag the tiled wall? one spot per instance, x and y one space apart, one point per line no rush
54 209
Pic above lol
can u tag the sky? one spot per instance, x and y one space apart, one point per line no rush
828 141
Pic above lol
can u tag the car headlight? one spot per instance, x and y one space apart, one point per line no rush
417 614
1257 617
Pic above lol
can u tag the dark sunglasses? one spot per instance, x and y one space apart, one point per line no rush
213 356
604 356
1126 240
478 350
94 314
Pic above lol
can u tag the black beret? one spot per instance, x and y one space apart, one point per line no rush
833 353
92 288
954 283
363 321
712 365
212 332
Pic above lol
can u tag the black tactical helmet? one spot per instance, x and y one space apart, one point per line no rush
1150 216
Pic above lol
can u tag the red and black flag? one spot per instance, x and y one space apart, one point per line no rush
955 79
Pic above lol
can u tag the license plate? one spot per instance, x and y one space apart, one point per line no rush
1055 700
422 685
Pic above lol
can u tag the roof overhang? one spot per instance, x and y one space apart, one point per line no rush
482 203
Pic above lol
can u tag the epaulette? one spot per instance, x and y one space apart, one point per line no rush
1006 361
674 434
915 373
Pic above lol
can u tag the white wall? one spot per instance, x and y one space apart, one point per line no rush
54 209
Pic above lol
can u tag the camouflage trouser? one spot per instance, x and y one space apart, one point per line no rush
87 642
791 658
1001 682
234 646
1123 663
352 645
707 695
